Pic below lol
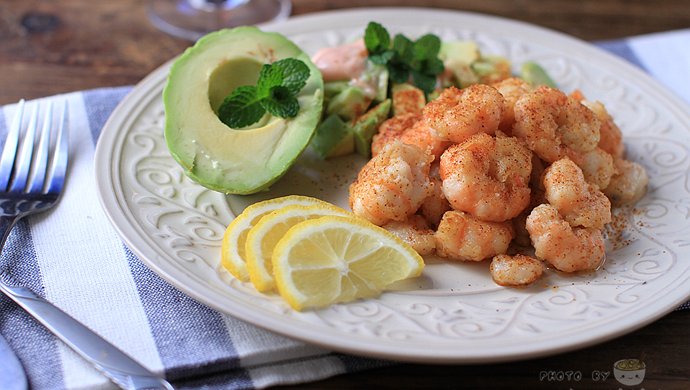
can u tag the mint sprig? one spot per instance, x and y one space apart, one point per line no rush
405 59
275 92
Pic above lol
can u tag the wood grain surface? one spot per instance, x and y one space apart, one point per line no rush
49 47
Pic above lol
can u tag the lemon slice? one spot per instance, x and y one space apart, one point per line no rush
337 259
233 257
266 233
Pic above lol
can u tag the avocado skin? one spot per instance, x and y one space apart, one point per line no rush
235 161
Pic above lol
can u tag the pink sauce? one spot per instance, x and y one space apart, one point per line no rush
344 62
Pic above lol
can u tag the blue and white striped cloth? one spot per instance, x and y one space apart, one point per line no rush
74 258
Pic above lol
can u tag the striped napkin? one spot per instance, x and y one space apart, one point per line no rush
74 258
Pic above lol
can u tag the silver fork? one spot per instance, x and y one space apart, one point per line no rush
30 184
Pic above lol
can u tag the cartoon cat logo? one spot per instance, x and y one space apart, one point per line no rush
629 372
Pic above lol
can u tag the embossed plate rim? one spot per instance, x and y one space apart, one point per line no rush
107 167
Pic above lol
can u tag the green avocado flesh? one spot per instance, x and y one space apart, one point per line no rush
235 161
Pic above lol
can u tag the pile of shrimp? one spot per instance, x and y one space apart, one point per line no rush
525 176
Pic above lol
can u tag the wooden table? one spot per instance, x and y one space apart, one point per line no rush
52 47
47 47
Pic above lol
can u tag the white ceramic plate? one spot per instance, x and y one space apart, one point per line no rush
454 313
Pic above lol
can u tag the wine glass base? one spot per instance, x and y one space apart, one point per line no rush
191 19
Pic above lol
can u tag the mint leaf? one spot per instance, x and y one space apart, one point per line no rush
433 66
288 72
281 102
382 58
404 58
279 94
398 74
269 77
376 38
427 47
403 48
275 92
241 108
425 82
294 74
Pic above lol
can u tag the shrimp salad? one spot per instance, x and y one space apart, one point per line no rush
492 167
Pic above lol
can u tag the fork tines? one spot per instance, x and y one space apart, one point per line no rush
25 165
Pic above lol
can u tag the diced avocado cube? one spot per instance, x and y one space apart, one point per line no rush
433 95
407 99
463 74
382 93
333 138
491 69
349 104
333 88
457 57
382 84
367 125
535 75
459 51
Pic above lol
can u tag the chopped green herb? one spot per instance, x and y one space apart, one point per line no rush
241 108
405 59
376 38
275 91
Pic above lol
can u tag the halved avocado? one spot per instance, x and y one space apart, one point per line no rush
235 161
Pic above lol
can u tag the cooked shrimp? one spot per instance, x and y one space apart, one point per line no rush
512 89
579 202
517 270
487 177
535 178
435 204
596 165
521 238
550 109
555 125
344 62
610 135
392 185
460 236
425 137
577 95
416 232
458 114
629 184
392 129
537 197
567 248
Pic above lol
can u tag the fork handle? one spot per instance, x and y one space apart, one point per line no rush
111 361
